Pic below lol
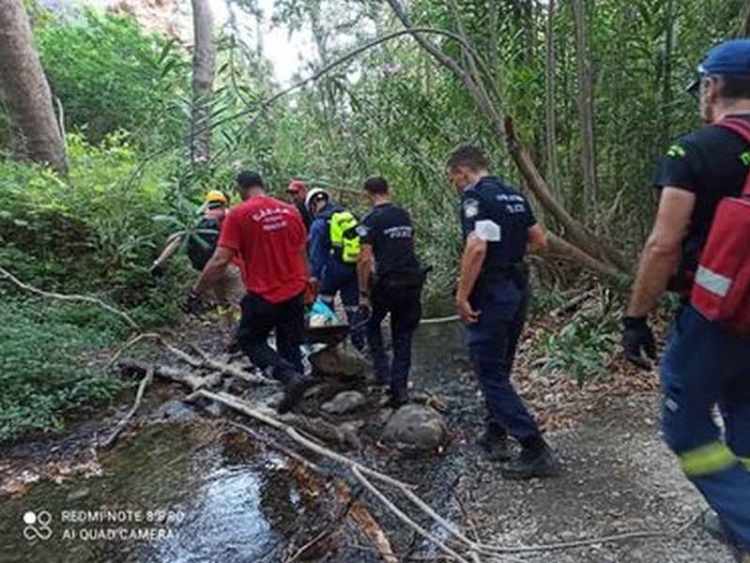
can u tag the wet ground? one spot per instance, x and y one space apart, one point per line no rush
197 492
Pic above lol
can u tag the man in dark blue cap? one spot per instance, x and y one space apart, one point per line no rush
704 365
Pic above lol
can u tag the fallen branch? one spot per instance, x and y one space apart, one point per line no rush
205 362
273 444
440 320
145 382
70 297
326 533
177 375
404 518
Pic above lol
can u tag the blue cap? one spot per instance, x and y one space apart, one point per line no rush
731 57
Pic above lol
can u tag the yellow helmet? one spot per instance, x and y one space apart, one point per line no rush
215 196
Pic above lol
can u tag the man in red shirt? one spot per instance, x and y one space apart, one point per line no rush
269 238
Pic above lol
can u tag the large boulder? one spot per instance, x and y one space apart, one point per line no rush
341 360
416 427
344 402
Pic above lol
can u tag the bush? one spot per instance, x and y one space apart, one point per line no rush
92 232
582 347
43 368
111 74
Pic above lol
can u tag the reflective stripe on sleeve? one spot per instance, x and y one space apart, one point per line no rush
706 460
746 462
713 282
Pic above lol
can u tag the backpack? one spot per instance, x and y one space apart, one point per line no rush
344 237
202 242
721 289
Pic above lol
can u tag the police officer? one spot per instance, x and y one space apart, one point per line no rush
334 247
704 365
390 281
492 298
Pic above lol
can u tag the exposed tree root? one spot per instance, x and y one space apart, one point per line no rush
71 297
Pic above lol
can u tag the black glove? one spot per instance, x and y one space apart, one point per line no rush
157 271
637 336
192 305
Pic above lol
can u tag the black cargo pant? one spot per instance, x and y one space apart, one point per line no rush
259 318
405 308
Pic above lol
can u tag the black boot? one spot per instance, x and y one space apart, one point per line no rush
398 397
294 390
494 441
536 460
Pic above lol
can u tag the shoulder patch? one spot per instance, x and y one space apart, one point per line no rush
676 151
362 230
471 208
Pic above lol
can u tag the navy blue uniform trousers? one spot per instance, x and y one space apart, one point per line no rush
492 341
704 366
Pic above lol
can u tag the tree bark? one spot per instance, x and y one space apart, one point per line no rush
204 70
744 30
585 109
550 102
25 88
666 92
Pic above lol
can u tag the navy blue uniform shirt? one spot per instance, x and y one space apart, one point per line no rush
390 232
498 214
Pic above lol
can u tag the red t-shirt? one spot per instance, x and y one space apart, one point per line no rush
269 237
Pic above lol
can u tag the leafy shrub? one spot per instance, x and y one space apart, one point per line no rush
582 347
111 74
43 371
90 232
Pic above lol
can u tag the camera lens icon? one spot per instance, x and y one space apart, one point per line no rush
37 525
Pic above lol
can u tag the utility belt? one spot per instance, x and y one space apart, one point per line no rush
400 280
517 273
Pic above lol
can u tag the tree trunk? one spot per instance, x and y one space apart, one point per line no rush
666 92
550 102
744 30
25 88
585 110
204 70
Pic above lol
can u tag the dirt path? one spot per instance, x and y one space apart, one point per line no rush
618 478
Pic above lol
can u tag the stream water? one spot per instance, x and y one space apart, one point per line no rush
181 493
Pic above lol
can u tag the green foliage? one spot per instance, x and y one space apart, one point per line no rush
581 347
46 366
92 231
111 75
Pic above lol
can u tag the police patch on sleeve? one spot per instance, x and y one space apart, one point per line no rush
471 208
362 230
488 231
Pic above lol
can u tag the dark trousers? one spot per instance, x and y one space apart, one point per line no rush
259 318
704 366
492 348
338 277
405 308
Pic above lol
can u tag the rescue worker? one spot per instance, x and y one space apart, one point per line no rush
229 289
334 247
492 299
390 281
269 236
297 193
703 365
